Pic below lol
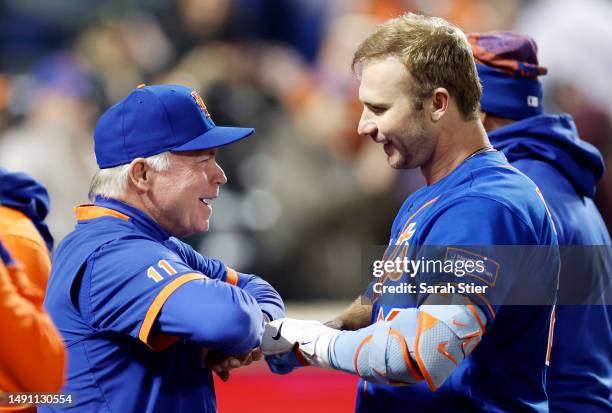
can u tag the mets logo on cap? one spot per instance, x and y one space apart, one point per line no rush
200 102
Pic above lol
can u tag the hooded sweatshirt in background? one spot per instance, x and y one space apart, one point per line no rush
566 169
24 204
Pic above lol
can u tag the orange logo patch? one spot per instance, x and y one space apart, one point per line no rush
200 102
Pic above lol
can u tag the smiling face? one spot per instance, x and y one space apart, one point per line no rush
390 116
180 197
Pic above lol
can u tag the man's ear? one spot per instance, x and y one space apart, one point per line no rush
140 175
440 101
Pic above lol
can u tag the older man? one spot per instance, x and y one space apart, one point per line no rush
451 352
135 305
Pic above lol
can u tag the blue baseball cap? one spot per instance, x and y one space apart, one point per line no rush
507 64
156 119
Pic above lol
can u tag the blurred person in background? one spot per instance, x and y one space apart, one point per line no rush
32 355
52 143
24 205
33 352
583 90
547 148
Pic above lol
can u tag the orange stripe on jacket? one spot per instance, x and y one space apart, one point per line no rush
89 212
231 277
153 312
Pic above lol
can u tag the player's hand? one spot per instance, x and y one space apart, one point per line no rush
311 338
222 364
336 324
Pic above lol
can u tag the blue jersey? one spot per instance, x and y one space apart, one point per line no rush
547 149
136 307
484 201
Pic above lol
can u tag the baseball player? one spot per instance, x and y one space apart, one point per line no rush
421 92
134 304
32 355
548 150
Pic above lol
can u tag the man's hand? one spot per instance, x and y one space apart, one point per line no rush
221 363
285 363
312 339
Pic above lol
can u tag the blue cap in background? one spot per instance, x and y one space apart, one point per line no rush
507 64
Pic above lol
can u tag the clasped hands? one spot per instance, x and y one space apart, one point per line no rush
287 343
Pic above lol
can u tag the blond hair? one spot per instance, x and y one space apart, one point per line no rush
435 52
112 182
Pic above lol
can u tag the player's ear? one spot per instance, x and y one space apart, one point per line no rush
440 99
140 174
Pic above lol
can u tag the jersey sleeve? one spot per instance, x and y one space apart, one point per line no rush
211 267
266 296
489 234
478 221
127 283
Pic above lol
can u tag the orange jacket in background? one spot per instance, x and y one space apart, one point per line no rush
32 355
25 244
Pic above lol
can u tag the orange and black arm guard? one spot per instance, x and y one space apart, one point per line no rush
425 343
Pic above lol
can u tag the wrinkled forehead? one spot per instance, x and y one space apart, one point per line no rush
190 158
383 79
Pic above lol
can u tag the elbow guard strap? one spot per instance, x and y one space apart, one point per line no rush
385 355
445 336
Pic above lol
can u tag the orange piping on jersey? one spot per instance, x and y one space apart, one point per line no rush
363 343
443 351
425 323
89 212
415 373
551 329
158 302
473 310
231 277
482 297
397 247
425 205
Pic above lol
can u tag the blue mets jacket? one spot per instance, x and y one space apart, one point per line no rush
136 307
548 150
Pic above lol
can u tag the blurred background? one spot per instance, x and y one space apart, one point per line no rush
305 193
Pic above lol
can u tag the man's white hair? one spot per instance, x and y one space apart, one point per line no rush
112 182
